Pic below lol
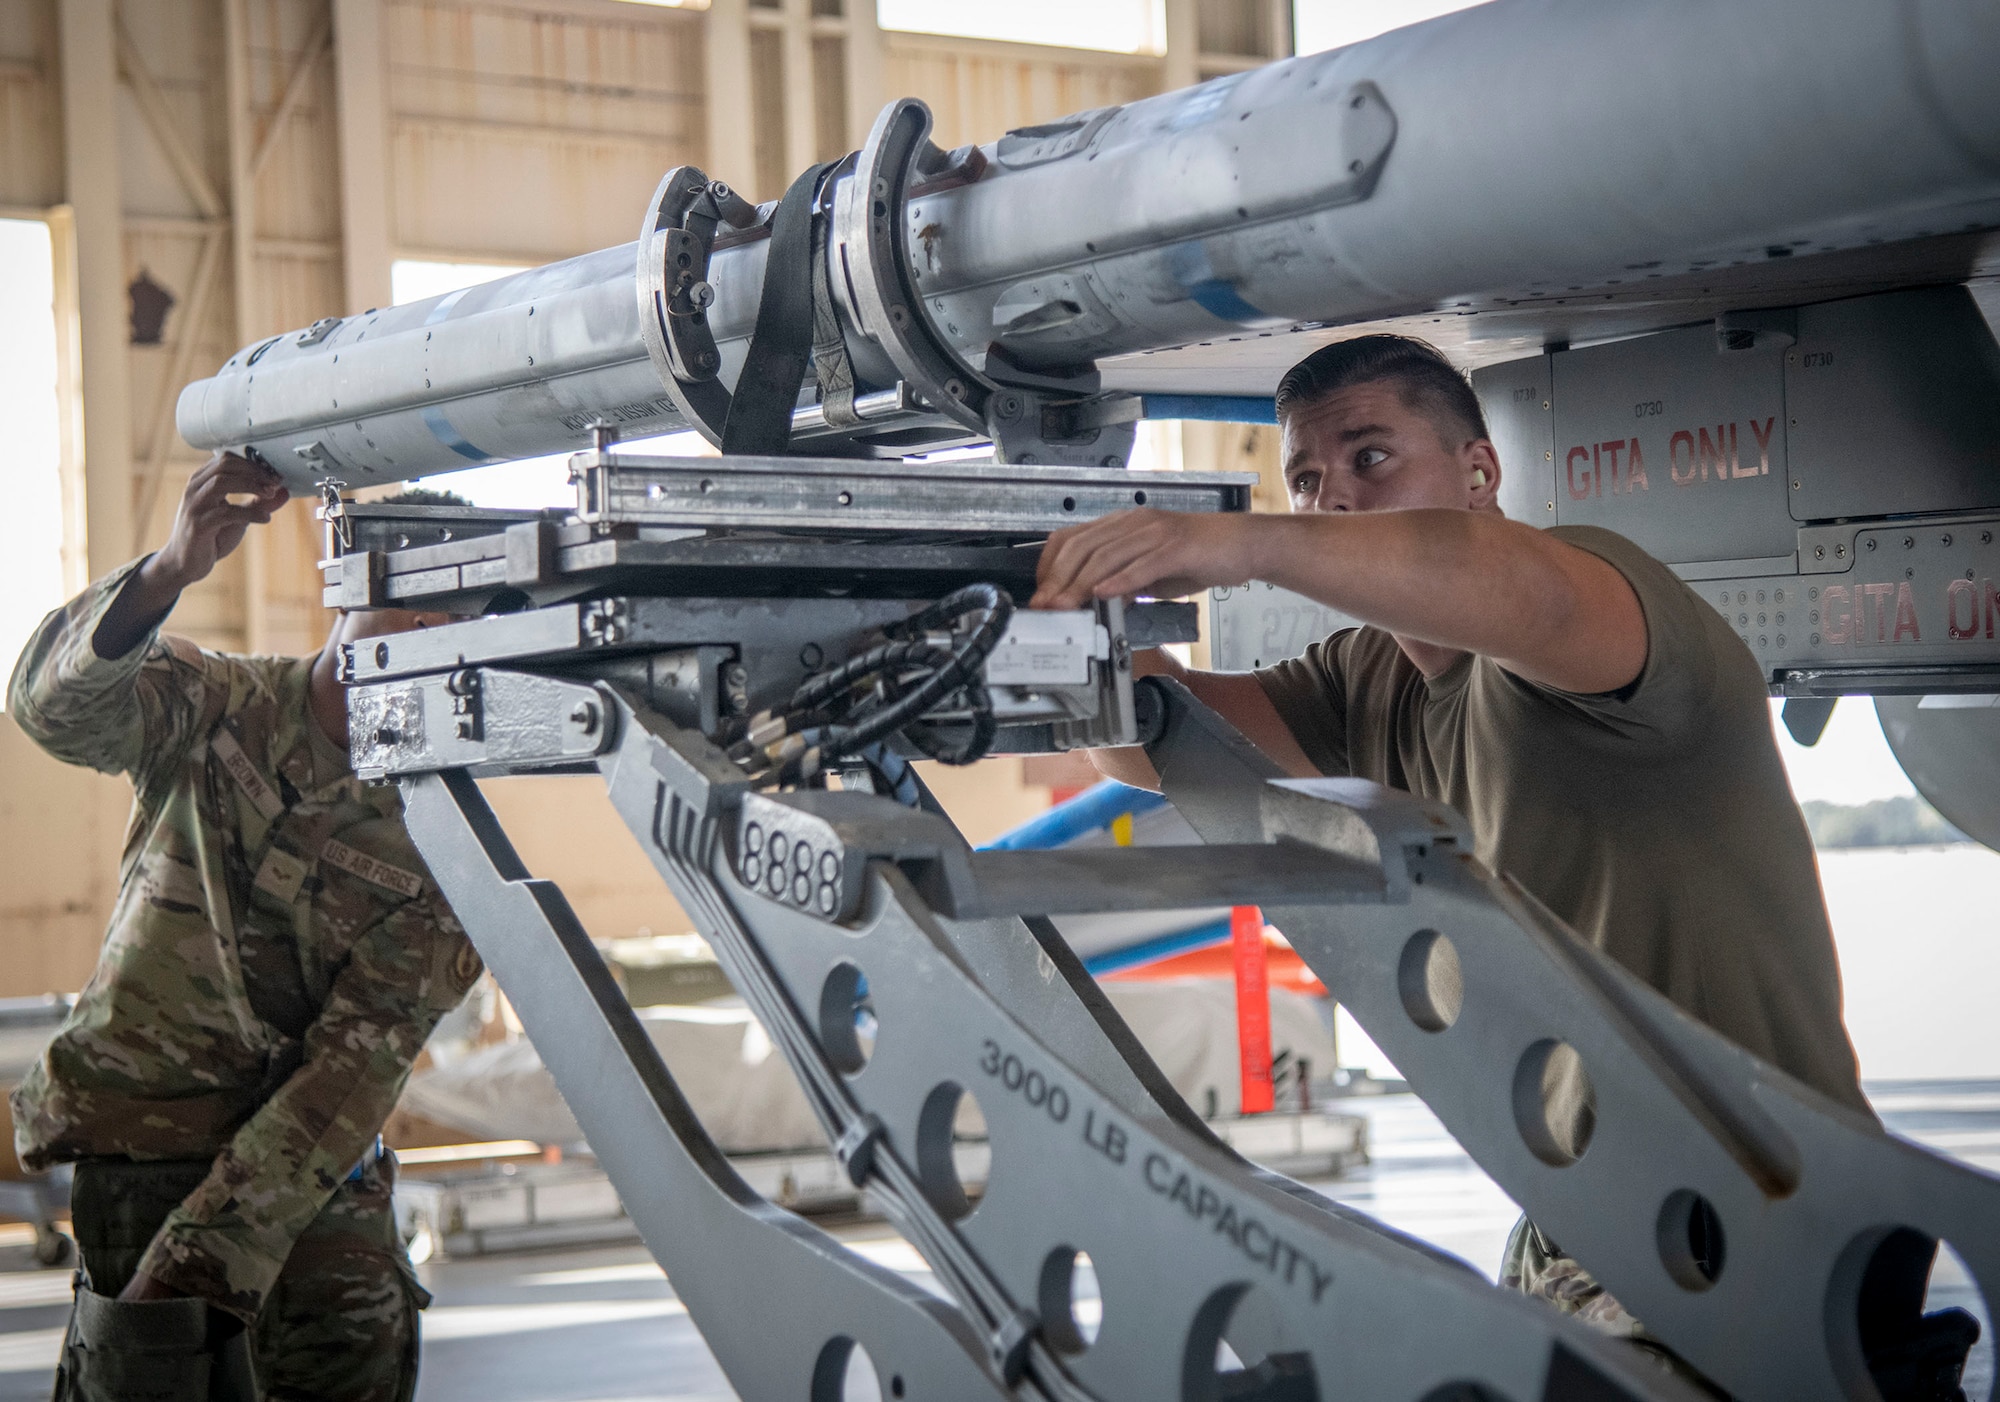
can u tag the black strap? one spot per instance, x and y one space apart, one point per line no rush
830 361
760 412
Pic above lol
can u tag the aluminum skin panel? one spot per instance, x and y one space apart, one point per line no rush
512 368
1918 598
1652 101
1908 607
1518 399
1256 624
1895 406
1675 445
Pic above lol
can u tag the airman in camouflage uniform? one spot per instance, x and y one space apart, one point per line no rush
275 960
1537 1267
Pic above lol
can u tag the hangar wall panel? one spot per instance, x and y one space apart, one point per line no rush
769 109
61 829
535 134
287 44
284 148
978 88
31 152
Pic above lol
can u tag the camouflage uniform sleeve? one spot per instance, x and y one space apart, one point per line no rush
110 713
228 1241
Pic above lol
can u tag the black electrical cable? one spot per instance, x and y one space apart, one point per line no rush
960 667
994 601
824 720
882 658
892 775
983 728
820 742
815 708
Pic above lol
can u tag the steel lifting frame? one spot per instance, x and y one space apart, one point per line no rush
1091 1150
970 982
1802 1191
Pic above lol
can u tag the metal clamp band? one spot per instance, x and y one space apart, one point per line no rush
675 240
871 246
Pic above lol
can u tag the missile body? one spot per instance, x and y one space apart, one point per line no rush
1517 154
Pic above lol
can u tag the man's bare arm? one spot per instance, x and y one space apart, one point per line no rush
1236 696
1469 580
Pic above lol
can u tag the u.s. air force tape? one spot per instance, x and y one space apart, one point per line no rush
245 774
358 863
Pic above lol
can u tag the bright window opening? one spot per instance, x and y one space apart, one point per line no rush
1333 24
414 279
1139 26
1852 763
1120 26
530 482
31 568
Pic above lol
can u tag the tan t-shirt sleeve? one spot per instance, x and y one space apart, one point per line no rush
1671 702
1310 695
1667 706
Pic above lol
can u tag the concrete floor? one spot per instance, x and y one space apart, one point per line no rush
577 1303
603 1325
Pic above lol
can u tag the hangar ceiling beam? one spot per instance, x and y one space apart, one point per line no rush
295 90
362 98
159 115
90 171
732 153
187 167
795 39
865 59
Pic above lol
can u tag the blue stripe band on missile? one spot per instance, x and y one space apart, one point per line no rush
1211 408
444 306
1218 298
441 429
1191 268
434 418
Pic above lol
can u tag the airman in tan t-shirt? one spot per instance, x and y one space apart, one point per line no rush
1605 733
